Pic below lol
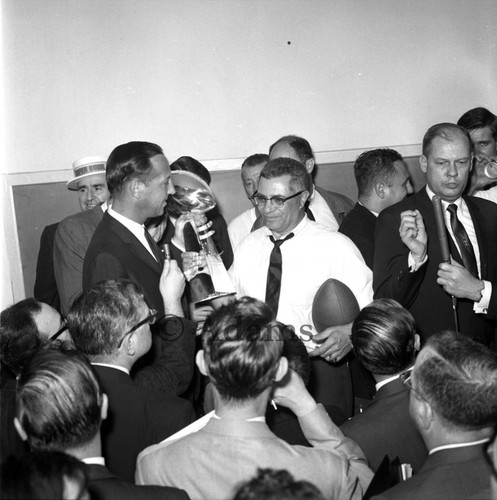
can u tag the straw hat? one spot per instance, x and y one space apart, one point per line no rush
90 165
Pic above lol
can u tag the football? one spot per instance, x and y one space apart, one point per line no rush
334 304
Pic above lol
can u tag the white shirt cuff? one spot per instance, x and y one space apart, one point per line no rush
481 307
413 267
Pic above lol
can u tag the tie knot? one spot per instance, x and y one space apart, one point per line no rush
452 208
278 243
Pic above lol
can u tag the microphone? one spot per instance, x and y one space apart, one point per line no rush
444 245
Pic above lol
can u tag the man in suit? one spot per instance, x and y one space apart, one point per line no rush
25 328
407 261
139 180
138 417
382 179
61 407
242 358
385 342
453 403
56 283
326 207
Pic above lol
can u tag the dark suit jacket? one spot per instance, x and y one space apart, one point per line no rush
72 239
115 253
339 204
385 428
419 292
137 418
457 474
103 485
45 289
359 225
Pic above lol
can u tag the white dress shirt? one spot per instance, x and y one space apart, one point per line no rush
137 229
240 226
312 256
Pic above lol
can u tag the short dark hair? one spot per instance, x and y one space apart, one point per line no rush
130 161
19 335
477 118
58 400
101 315
300 145
447 132
299 177
41 474
459 380
375 166
242 347
255 159
383 337
272 484
189 164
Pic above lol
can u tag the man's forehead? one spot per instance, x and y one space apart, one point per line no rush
279 185
92 180
480 134
441 145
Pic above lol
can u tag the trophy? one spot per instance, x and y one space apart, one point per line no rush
193 195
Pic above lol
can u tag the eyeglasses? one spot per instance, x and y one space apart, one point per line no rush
150 319
276 201
61 330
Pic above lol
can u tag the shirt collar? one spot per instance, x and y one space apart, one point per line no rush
379 385
109 365
296 230
130 224
94 460
457 445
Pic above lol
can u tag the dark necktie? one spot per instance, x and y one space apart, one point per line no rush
308 211
463 241
154 247
273 283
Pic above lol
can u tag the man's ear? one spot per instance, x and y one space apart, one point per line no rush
20 430
379 189
135 188
200 360
422 413
309 165
303 198
282 369
104 408
423 163
129 344
417 342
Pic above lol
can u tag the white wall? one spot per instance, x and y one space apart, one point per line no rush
217 79
222 79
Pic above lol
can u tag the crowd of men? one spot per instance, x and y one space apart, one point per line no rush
136 392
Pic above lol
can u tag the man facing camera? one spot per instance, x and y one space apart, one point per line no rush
110 324
242 358
60 407
408 259
453 403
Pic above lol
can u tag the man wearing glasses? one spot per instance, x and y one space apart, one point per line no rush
453 403
285 262
25 328
110 324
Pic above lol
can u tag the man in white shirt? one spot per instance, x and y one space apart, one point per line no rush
326 207
243 224
453 403
408 263
482 127
309 257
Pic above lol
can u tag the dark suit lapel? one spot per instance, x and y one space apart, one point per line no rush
134 244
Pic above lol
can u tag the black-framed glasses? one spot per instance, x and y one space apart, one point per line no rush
61 330
276 201
150 319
